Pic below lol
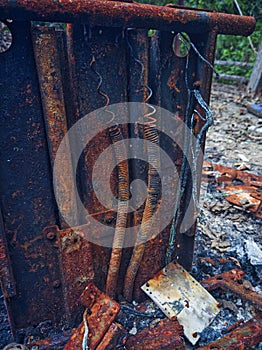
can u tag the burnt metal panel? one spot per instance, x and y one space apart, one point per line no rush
27 201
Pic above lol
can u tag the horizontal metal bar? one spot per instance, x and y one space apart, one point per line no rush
123 14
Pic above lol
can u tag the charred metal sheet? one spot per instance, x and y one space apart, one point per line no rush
7 281
248 335
50 82
167 334
122 14
27 200
102 312
241 188
58 341
231 281
178 294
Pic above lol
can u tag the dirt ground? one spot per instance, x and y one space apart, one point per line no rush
224 231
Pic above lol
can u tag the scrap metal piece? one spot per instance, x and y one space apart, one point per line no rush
242 337
177 293
241 188
167 334
103 311
231 280
113 337
58 340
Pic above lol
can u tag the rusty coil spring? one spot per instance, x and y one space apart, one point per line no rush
115 134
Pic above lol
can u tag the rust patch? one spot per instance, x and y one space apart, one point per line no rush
102 312
167 334
241 188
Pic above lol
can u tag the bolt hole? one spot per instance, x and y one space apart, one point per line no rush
5 38
219 278
181 45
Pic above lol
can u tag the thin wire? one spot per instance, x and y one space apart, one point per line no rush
98 89
194 149
199 54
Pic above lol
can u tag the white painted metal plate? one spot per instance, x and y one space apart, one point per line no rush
178 294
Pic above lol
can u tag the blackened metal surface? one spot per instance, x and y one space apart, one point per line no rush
121 14
27 200
58 341
6 274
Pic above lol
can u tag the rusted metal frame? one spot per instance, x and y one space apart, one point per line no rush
52 96
134 15
248 335
27 200
230 281
99 316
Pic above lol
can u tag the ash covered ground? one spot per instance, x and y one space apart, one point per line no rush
227 237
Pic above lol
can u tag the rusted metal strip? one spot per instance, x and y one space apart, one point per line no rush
248 335
231 281
118 14
50 81
103 311
167 334
112 338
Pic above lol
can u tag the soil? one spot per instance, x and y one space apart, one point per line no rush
229 236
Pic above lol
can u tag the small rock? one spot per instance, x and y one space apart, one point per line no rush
243 157
247 284
230 306
243 166
254 253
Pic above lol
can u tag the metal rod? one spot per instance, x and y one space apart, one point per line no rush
122 14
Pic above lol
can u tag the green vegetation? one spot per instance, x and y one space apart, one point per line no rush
230 48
